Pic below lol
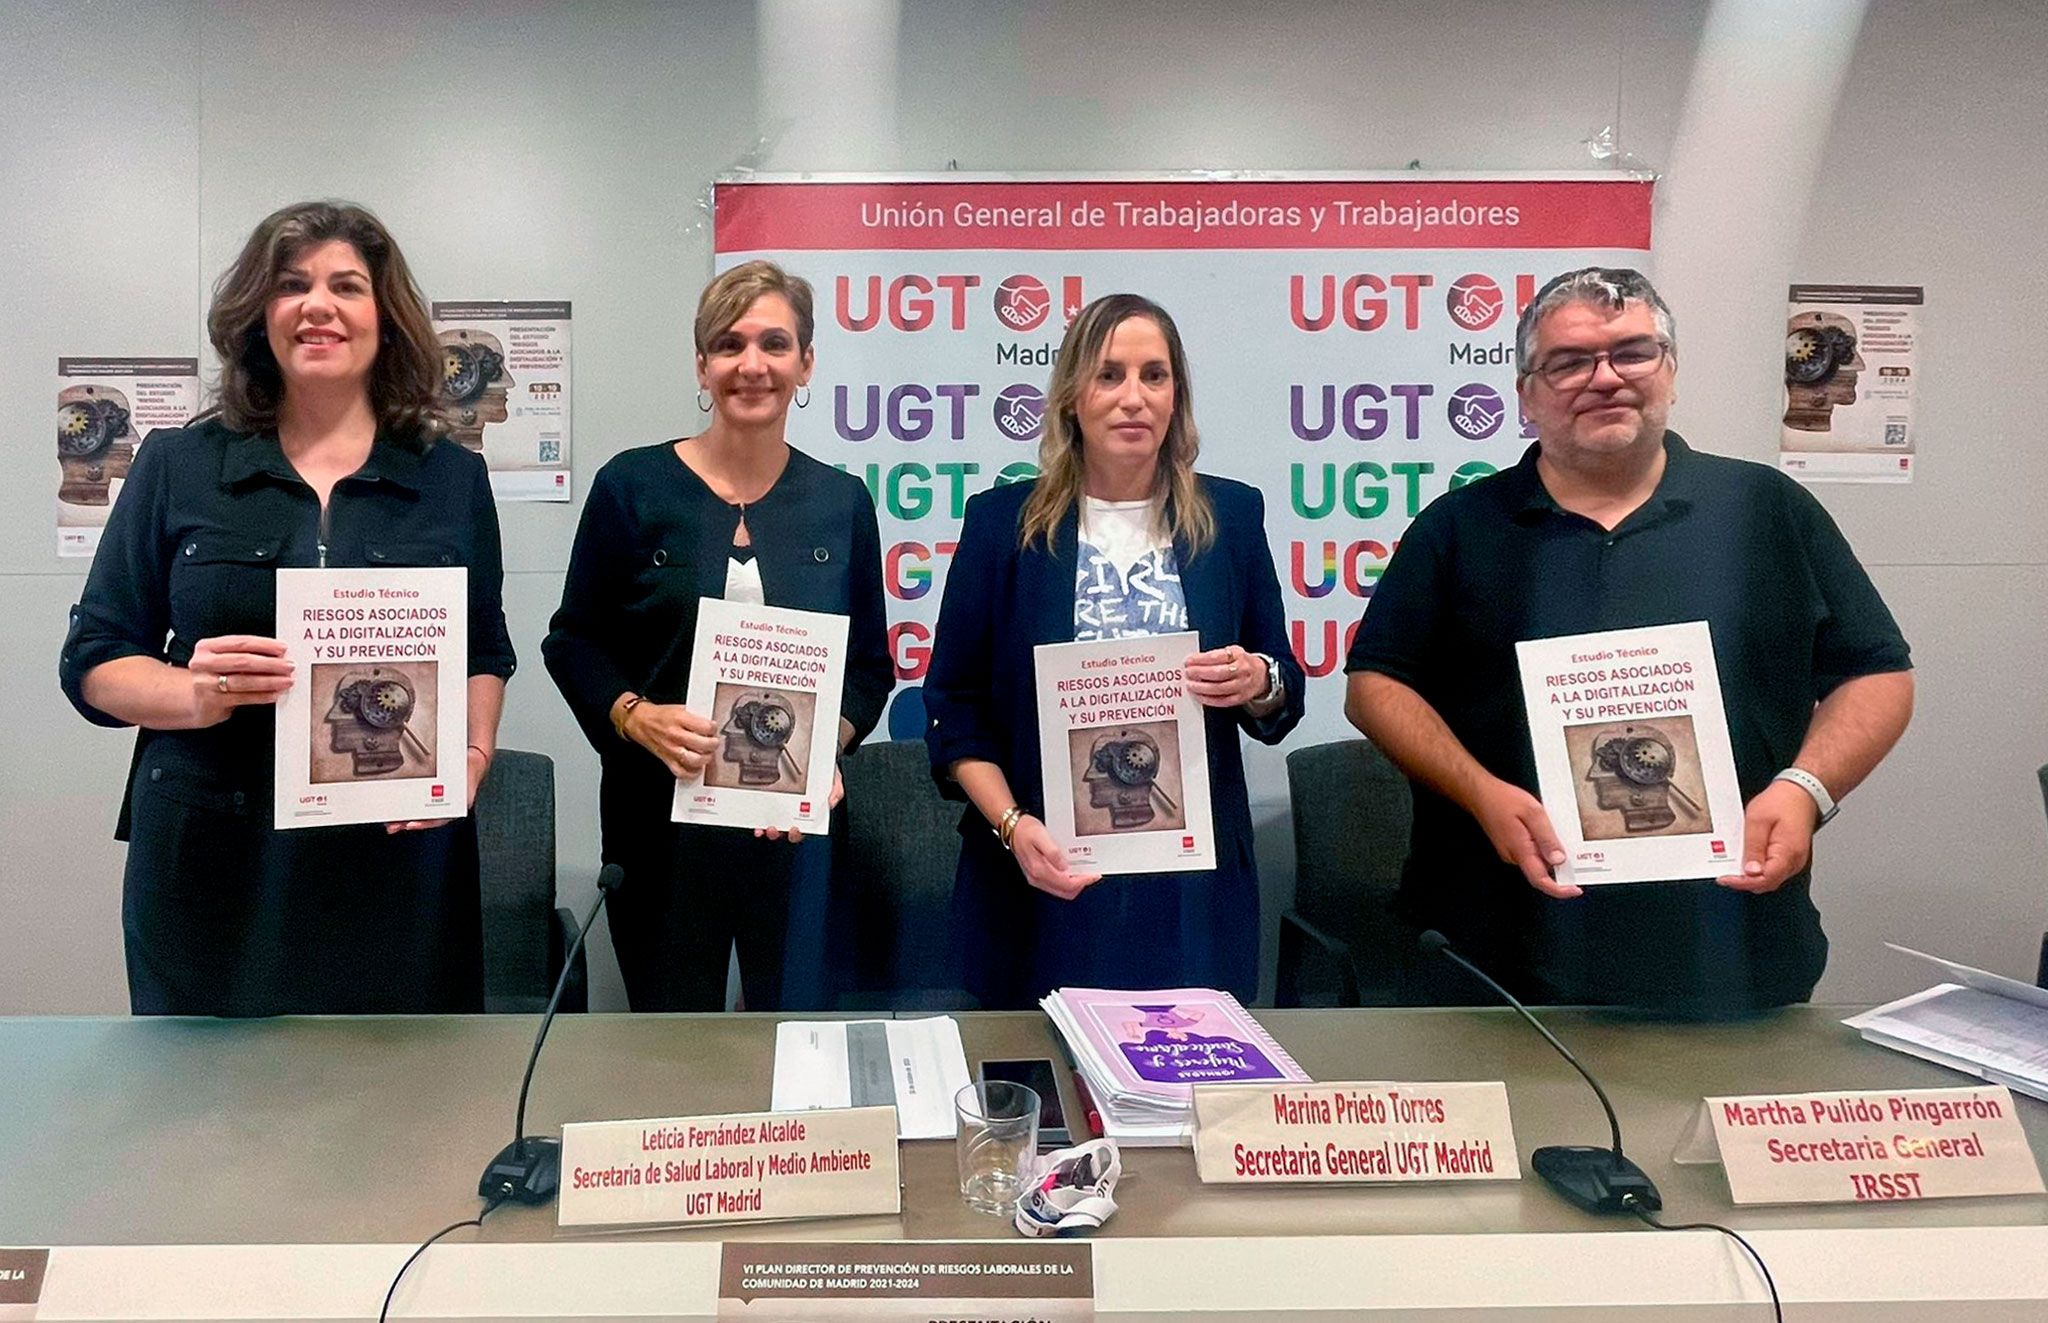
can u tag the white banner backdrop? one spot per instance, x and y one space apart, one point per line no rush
1350 343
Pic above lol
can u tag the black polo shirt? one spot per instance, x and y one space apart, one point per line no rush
1792 615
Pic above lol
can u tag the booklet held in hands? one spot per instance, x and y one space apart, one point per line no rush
1632 754
375 726
770 680
1125 755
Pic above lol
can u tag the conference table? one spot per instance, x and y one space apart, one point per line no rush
283 1169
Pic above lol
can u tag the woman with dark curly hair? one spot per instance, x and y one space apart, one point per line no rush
323 449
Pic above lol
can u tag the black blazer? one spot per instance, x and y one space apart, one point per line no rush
1002 600
654 541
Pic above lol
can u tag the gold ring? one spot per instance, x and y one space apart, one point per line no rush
220 682
1233 668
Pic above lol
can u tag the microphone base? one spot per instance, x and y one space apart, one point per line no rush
526 1171
1595 1179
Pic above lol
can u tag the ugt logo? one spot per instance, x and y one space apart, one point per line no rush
1020 412
1476 411
911 302
1474 302
1023 302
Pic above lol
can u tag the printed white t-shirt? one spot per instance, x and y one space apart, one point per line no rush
1126 578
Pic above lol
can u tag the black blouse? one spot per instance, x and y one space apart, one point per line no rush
654 541
207 517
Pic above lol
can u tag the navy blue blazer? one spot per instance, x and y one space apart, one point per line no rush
1003 600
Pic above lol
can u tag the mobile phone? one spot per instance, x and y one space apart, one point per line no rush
1038 1075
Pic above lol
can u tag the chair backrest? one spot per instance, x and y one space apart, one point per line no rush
515 829
2041 970
1352 813
894 880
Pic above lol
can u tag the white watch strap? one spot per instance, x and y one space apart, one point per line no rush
1810 783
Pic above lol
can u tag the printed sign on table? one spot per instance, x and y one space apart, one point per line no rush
968 1282
740 1168
1864 1146
1322 1134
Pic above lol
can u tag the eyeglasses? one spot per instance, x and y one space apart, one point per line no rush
1631 360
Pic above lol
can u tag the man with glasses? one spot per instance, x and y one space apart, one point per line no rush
1610 521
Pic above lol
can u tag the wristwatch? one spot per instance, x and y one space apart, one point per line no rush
1274 685
1810 783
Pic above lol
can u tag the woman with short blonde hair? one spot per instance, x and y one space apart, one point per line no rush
735 512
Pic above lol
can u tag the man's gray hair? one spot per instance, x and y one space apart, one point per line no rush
1603 287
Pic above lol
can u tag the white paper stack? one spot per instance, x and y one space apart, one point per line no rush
1986 1025
915 1066
1142 1052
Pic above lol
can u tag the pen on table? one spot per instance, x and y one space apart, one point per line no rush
1089 1113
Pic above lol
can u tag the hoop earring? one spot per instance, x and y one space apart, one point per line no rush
703 400
803 396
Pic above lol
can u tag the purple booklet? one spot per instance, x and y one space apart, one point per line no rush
1160 1043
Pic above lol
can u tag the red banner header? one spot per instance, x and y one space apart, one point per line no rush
1134 214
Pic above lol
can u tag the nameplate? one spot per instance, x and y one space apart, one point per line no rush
1871 1146
746 1168
1324 1134
21 1281
1052 1281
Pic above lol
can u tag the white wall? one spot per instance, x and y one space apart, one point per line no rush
563 151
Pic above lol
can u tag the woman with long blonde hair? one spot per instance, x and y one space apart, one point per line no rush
1118 536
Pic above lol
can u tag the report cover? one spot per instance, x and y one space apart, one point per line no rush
770 679
375 725
1159 1044
1125 754
1632 753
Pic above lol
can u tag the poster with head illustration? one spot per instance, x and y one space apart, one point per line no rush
505 388
1126 755
375 725
1851 352
105 407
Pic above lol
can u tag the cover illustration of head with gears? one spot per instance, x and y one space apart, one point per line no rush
1822 368
474 380
96 442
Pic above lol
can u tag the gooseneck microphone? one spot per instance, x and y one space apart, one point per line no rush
1599 1180
529 1169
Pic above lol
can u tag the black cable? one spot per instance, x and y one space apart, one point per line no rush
385 1313
1629 1202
